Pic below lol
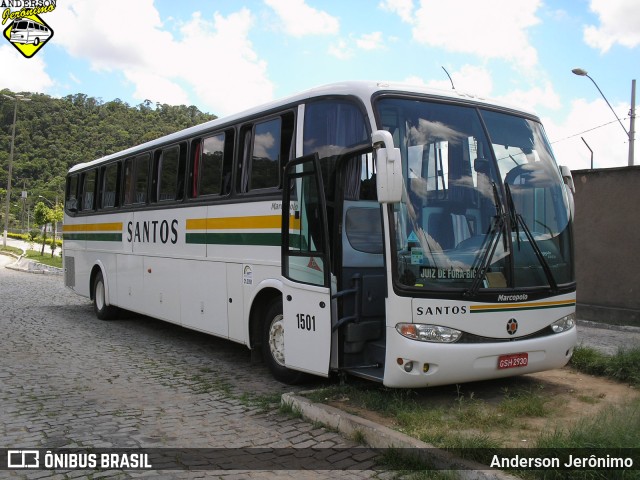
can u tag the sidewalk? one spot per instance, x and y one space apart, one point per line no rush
32 266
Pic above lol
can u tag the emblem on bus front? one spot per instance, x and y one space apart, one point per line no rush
512 326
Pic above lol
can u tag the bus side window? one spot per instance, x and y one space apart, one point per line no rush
109 186
168 174
128 181
88 190
244 163
194 171
288 145
141 179
211 165
265 155
71 200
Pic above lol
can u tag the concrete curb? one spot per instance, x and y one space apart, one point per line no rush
379 436
23 265
607 326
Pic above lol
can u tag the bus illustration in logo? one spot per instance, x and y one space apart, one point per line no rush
28 34
28 31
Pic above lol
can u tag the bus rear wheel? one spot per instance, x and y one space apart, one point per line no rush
273 344
103 311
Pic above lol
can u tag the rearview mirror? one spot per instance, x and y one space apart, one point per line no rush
567 178
388 167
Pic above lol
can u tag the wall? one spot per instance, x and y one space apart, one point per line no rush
607 240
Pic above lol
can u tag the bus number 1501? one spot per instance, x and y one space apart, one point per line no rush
306 322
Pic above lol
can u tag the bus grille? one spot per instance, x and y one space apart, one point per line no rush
471 338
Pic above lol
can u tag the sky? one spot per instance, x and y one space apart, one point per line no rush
224 56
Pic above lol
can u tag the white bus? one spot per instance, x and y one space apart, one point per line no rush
28 31
410 236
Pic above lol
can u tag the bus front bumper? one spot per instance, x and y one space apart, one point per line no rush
415 364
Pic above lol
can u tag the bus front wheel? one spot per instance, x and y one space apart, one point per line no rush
103 311
273 344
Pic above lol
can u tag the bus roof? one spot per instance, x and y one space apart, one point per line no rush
361 89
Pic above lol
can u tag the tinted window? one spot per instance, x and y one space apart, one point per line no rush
211 163
109 186
88 191
128 180
331 126
265 159
167 171
72 192
141 179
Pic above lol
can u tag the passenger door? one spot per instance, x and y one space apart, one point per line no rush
306 268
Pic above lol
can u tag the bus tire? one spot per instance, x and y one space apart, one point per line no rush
103 311
36 42
273 344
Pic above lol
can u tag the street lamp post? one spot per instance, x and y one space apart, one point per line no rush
13 138
46 200
632 113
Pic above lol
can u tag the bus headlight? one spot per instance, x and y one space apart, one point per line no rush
428 333
565 323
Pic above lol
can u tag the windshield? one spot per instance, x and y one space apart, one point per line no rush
480 209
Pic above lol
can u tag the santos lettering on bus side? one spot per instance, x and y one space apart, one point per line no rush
153 231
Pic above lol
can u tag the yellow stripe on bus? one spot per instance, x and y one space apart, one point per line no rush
516 306
240 223
93 227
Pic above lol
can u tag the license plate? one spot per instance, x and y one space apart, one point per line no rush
514 360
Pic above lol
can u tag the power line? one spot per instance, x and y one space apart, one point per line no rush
589 130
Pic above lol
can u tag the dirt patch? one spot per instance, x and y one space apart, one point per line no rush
565 397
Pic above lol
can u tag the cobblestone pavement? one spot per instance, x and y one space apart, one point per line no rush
68 379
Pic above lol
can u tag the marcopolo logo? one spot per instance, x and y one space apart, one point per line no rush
26 30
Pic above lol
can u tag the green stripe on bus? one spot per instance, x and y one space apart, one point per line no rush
265 239
94 237
256 239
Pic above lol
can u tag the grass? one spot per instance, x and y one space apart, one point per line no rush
47 259
624 366
466 423
14 250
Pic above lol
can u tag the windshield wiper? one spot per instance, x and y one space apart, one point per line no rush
491 242
519 219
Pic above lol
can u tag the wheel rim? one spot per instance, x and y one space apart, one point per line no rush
276 339
100 303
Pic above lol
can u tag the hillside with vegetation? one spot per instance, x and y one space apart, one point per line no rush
53 134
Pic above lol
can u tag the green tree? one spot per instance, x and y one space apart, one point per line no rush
42 217
56 214
53 134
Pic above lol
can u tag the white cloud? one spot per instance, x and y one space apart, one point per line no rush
370 41
340 50
299 19
469 79
151 86
227 78
535 98
32 75
100 32
594 122
619 23
214 57
403 8
489 29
